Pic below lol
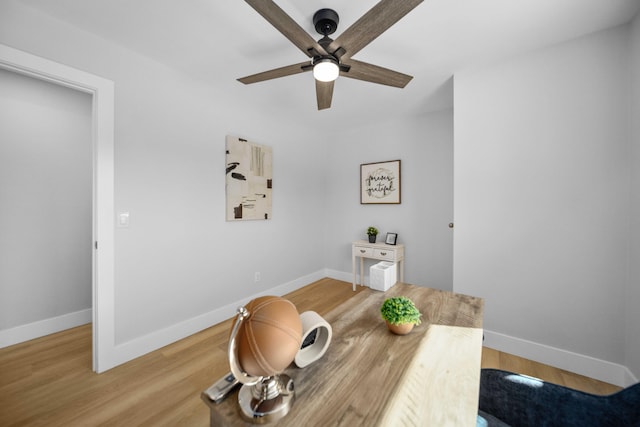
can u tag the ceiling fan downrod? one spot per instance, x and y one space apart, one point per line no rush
325 22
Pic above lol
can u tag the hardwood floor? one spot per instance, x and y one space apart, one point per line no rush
495 359
48 381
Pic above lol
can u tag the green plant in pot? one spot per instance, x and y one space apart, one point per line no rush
372 232
401 314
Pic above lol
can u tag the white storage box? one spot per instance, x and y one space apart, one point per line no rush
382 275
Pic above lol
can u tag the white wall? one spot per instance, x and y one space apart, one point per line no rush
180 260
541 194
425 147
179 255
632 350
45 202
541 191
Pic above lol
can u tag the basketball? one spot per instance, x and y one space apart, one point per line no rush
270 337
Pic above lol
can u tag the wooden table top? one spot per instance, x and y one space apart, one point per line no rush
370 377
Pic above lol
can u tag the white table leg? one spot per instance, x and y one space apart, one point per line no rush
353 268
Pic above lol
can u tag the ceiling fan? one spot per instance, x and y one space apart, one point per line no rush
331 58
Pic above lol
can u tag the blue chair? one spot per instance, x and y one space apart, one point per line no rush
508 399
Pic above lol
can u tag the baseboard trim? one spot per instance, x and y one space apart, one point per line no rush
137 347
44 327
602 370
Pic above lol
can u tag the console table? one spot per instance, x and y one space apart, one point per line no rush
380 251
370 377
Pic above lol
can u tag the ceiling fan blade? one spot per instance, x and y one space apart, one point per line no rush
324 94
276 73
287 26
373 23
375 74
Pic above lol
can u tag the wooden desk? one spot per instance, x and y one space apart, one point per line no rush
370 377
380 251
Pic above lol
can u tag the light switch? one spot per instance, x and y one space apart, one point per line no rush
123 220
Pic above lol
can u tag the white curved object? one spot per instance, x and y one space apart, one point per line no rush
316 336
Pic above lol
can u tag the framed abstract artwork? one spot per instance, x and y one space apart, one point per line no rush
249 181
380 182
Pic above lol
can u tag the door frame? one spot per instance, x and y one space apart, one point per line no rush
103 227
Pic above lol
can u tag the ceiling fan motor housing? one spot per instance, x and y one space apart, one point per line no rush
326 21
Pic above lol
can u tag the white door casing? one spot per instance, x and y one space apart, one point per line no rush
102 91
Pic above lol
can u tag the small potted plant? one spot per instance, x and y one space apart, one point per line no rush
372 232
401 315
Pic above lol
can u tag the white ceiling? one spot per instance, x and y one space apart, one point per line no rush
224 40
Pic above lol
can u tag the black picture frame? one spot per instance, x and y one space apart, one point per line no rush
391 239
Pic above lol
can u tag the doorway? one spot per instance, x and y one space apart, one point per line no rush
101 92
46 207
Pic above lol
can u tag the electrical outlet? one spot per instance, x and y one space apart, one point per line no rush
256 276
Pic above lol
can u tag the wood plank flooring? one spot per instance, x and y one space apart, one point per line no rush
48 381
496 359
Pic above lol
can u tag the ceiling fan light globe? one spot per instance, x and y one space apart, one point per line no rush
326 71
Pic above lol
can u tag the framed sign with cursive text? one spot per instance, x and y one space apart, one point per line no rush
380 183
